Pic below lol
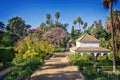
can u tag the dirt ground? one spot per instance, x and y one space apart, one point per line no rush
57 68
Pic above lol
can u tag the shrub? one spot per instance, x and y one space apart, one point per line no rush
87 57
25 51
78 57
90 70
22 72
6 54
74 57
117 58
105 63
60 50
101 78
104 57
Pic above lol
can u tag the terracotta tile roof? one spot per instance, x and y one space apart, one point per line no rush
87 38
91 49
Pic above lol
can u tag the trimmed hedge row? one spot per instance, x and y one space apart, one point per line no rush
6 55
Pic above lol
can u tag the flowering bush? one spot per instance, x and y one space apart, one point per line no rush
56 35
33 30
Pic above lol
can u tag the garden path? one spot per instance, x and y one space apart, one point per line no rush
4 72
57 68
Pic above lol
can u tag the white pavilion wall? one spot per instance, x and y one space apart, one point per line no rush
87 44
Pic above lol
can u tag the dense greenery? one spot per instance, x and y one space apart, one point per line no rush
26 52
27 47
29 54
9 34
6 56
23 72
92 69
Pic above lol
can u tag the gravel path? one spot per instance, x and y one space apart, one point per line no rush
57 68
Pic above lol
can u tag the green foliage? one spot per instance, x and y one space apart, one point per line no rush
101 78
74 57
6 40
16 26
81 61
26 52
60 49
87 70
104 57
24 71
87 57
6 54
84 57
117 58
1 25
91 69
30 52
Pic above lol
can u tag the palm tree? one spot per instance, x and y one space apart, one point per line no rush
79 20
57 15
116 22
48 16
96 24
100 23
74 22
109 4
85 25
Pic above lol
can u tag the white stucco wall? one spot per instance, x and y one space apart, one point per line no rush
78 44
87 44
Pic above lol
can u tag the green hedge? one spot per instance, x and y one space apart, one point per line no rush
22 72
109 68
6 55
60 50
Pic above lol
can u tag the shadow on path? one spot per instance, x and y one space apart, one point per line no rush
57 68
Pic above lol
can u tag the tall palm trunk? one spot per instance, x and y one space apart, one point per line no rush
57 20
113 40
79 27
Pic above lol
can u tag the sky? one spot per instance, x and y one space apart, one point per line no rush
34 11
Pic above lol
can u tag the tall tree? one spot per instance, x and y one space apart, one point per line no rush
116 22
100 23
85 25
74 22
48 17
56 35
16 25
1 25
79 20
57 15
108 4
73 32
27 26
43 27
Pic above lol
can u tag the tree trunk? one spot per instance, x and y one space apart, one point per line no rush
79 26
113 40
